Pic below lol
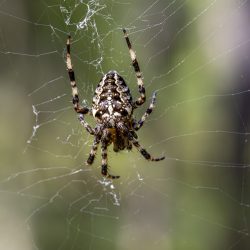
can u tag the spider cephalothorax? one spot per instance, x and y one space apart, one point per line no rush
112 108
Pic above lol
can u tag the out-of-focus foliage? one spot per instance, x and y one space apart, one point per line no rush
195 54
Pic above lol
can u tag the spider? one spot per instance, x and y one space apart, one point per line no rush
112 108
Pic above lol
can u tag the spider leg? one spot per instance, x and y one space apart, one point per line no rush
105 162
135 142
138 73
78 108
92 153
143 151
86 125
138 125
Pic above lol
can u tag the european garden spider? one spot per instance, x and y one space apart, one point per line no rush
112 108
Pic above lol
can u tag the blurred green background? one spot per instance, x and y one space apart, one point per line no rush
196 55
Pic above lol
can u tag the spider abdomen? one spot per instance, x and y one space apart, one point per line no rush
112 101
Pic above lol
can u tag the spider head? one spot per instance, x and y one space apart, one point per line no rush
115 136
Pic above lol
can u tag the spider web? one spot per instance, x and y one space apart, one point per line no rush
195 54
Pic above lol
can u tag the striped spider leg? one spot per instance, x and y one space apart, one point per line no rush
77 107
142 98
